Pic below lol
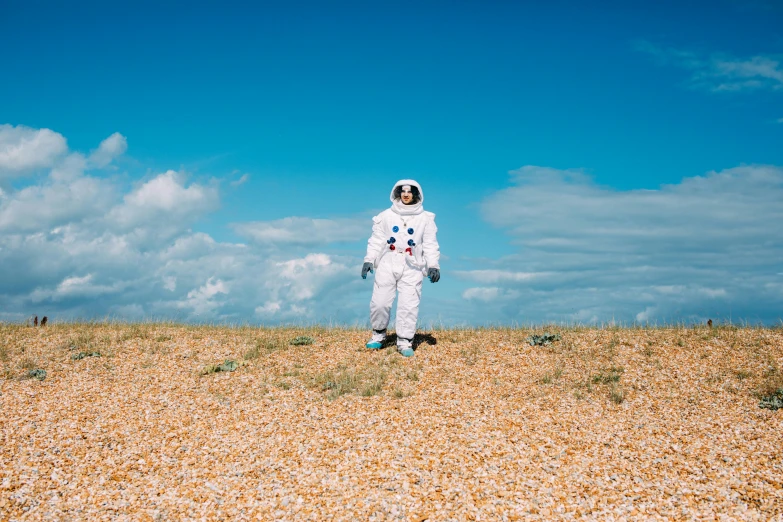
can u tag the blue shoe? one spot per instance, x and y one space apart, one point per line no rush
378 337
404 346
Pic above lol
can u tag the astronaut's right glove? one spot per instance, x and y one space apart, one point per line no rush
366 267
433 274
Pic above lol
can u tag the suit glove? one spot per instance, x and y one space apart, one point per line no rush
366 267
433 274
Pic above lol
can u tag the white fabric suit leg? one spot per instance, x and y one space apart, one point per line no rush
409 287
395 275
384 291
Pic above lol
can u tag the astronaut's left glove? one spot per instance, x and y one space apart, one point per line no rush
433 274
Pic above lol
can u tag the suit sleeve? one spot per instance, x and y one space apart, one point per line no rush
377 240
430 245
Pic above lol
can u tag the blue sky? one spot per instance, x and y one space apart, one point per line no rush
585 163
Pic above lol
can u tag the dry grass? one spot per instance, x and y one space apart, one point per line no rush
605 423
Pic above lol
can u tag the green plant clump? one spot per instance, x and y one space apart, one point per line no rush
772 402
608 375
302 340
38 373
228 365
82 355
543 340
338 382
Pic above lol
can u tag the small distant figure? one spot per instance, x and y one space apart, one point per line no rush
709 323
35 321
43 321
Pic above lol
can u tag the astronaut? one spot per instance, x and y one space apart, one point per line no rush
403 248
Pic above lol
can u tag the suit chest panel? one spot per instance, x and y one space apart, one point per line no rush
406 231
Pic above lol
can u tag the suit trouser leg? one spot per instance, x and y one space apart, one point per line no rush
383 293
409 287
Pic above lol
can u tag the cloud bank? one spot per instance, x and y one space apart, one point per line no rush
79 242
706 247
77 245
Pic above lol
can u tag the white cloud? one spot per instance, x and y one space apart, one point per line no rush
167 192
165 195
23 149
170 283
305 276
40 207
70 284
481 293
699 248
488 294
203 300
304 231
296 267
268 309
189 246
731 203
645 315
584 316
75 287
240 181
670 289
721 72
110 148
69 168
713 292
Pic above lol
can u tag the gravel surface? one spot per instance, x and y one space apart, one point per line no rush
607 424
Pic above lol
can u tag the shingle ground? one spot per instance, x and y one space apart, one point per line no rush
605 424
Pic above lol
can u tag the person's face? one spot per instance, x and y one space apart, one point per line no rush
406 196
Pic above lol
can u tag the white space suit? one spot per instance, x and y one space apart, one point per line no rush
403 246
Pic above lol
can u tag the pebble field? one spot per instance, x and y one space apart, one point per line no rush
176 422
